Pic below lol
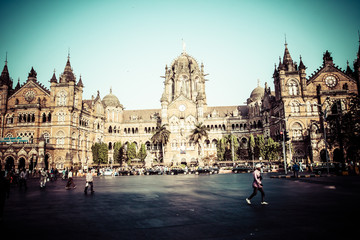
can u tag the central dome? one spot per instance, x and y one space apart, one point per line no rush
111 100
257 93
185 61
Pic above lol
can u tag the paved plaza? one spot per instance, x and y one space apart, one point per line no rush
185 207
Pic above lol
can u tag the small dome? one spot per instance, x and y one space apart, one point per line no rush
257 93
111 100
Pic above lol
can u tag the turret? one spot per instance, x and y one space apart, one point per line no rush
302 73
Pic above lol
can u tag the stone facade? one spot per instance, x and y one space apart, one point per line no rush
62 126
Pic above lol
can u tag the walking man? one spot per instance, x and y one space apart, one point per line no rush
257 185
70 181
296 170
89 181
43 178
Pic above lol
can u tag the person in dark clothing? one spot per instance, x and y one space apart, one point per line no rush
4 193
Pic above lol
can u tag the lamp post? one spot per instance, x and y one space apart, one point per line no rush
283 142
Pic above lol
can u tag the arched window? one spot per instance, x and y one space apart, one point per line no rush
296 130
43 117
46 137
110 129
60 138
295 107
293 87
61 98
61 117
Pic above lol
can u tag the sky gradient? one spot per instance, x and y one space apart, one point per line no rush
126 44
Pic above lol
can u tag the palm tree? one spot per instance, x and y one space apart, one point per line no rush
161 135
198 133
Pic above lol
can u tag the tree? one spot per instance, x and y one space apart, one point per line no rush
273 150
131 151
100 153
118 152
161 136
117 147
142 152
261 146
252 146
197 134
344 126
220 149
232 147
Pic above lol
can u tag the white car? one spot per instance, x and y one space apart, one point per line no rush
108 172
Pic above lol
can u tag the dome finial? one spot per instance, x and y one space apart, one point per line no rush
183 46
110 90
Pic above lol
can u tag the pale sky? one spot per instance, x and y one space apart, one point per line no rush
126 44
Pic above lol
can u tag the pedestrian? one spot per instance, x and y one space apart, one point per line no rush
296 170
70 181
22 180
257 186
4 193
301 168
89 181
43 178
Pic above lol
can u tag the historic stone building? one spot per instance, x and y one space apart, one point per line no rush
57 127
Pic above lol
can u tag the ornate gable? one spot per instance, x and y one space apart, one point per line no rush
30 93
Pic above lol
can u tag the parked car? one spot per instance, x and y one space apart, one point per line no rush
241 169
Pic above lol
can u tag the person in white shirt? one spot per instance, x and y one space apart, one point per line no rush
70 181
89 181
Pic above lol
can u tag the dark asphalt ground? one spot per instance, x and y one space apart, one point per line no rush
186 207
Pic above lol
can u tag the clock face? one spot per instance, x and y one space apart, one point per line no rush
330 81
29 96
182 108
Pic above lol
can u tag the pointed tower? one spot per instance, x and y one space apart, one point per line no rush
68 75
5 87
5 76
302 73
287 60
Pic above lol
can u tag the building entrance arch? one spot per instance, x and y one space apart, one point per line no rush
9 163
21 163
323 155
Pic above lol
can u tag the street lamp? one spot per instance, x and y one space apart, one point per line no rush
283 142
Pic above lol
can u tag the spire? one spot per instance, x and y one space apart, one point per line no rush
301 64
287 57
53 79
327 59
17 85
80 83
67 75
348 69
5 76
32 73
183 46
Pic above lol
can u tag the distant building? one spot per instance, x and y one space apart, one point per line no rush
59 126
